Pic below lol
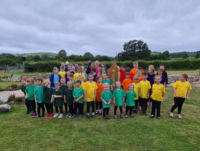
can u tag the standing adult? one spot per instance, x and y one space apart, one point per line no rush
89 68
97 66
134 70
66 66
76 65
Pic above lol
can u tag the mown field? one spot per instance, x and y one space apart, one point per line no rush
19 131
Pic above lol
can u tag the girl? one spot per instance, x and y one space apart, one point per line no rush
57 98
163 80
67 76
106 97
69 68
150 78
79 72
181 93
30 95
130 97
157 96
55 77
97 67
90 88
100 73
62 73
98 95
136 88
94 73
118 99
139 75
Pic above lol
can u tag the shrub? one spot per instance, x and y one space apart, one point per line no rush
1 103
14 86
19 99
1 88
11 98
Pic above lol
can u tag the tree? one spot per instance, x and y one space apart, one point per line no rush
166 54
60 54
185 56
45 58
88 54
197 55
36 58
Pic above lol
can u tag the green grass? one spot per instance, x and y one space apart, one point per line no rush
19 131
7 84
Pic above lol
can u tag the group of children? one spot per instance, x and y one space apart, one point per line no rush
73 91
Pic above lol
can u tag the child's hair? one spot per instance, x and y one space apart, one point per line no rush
135 62
157 77
90 74
185 76
130 85
97 78
162 65
78 81
70 82
127 73
106 85
62 63
82 67
39 79
105 74
63 79
160 70
144 73
123 66
93 69
100 72
23 78
138 70
135 78
46 81
118 82
55 68
127 70
30 80
71 75
57 83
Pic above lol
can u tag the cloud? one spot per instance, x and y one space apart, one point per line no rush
100 27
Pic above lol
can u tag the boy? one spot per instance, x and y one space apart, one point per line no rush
62 73
38 94
78 99
126 83
23 88
63 87
136 87
144 88
106 80
68 97
55 77
57 98
90 88
164 73
71 78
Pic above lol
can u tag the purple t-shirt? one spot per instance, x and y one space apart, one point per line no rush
95 77
151 78
163 81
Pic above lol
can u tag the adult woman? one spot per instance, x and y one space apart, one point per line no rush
89 68
97 66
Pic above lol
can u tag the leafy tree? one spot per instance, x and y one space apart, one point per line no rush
45 58
185 56
88 54
60 54
166 54
36 58
197 55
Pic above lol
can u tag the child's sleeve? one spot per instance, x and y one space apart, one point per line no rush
175 85
123 83
163 89
111 95
102 95
149 85
114 93
82 92
189 86
73 92
123 94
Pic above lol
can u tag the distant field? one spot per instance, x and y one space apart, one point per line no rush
50 54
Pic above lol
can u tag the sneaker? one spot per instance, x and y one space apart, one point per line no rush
126 116
27 112
100 113
131 116
171 114
74 116
60 116
179 116
68 114
39 116
88 117
104 118
107 117
48 115
158 118
32 114
80 117
43 115
96 112
121 115
51 115
152 116
115 116
92 116
55 115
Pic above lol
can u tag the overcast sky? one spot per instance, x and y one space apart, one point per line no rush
98 26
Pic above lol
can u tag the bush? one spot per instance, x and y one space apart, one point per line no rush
11 98
1 89
19 99
1 102
14 86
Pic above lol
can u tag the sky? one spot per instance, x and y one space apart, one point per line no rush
98 26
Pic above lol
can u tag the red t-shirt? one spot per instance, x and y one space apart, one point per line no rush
122 74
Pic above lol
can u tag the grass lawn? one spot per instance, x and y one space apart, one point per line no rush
19 131
7 84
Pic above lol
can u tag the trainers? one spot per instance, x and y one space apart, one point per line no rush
74 116
179 116
131 116
51 115
171 114
48 115
104 118
68 114
121 115
96 112
100 113
32 114
107 117
60 116
87 116
27 112
152 116
115 116
43 115
92 116
158 117
55 115
39 116
80 117
126 116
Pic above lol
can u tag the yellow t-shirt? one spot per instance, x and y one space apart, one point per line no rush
76 76
136 87
157 92
62 74
90 88
144 87
182 88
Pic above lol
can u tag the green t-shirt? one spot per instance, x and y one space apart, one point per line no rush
106 96
77 93
118 95
38 91
47 95
58 101
30 91
130 97
63 87
69 96
107 81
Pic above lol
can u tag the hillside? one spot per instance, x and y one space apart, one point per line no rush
50 54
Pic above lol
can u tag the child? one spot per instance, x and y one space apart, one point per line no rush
139 75
158 95
67 76
69 68
150 78
63 87
83 71
181 93
100 72
78 94
118 99
106 97
30 95
62 73
55 77
164 73
68 97
136 87
94 73
47 98
23 88
90 88
130 97
163 80
98 95
71 78
122 73
57 98
106 80
79 72
126 83
38 93
144 88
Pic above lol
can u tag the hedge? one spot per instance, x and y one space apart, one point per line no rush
191 64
